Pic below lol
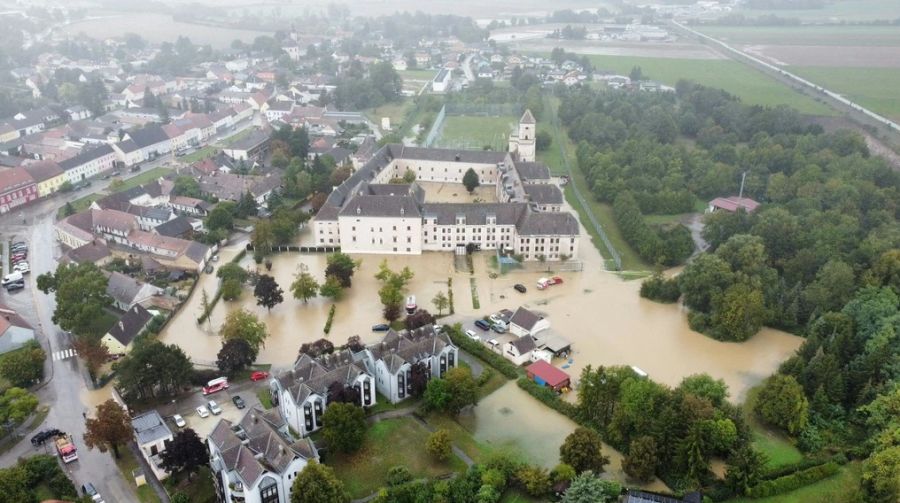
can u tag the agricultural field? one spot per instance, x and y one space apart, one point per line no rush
752 86
818 35
841 10
874 88
473 132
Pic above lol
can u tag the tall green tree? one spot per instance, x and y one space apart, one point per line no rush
185 453
344 427
304 286
393 289
267 292
242 324
153 369
342 267
781 402
25 366
318 484
109 429
744 469
80 296
583 450
470 180
587 488
16 404
236 354
641 461
440 302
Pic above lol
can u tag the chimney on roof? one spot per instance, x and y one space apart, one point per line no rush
121 326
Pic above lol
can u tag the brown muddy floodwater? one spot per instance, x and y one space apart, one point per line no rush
510 418
603 316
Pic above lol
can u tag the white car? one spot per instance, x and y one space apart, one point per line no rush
214 408
23 267
202 411
472 335
179 421
495 318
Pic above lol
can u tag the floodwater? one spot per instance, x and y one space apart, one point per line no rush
602 315
158 28
538 431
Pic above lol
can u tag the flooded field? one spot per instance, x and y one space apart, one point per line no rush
538 431
158 28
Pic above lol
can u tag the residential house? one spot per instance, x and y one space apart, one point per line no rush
89 163
127 292
543 196
302 392
143 144
77 113
525 322
257 460
15 332
152 435
732 204
48 175
75 230
276 110
95 252
230 187
441 81
179 227
391 361
190 206
519 350
120 336
252 147
17 187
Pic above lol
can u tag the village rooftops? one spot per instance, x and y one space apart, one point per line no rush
475 214
14 178
92 252
87 155
43 170
130 324
524 344
315 375
410 346
529 171
150 134
543 193
524 318
398 151
150 427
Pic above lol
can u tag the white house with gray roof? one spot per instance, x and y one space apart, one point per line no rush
152 434
367 214
257 459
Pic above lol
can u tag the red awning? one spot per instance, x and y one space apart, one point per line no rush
548 373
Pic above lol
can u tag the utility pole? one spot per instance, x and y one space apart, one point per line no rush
743 177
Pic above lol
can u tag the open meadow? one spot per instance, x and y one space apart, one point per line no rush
475 132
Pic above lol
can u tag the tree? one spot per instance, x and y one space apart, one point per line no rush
535 479
398 475
462 387
881 475
232 271
219 218
263 238
187 186
781 402
304 286
331 288
745 467
153 369
342 267
586 488
583 450
636 74
267 292
242 324
419 319
393 287
318 484
184 453
440 302
470 180
80 296
16 404
92 352
344 427
738 314
542 141
24 366
236 354
704 386
641 461
109 428
231 289
439 444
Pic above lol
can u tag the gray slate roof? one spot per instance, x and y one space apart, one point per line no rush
87 155
524 344
525 318
548 223
543 193
381 206
150 134
130 324
527 117
532 171
476 214
150 427
398 151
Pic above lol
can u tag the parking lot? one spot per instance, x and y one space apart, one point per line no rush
187 407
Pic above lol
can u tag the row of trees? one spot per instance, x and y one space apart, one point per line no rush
41 474
670 245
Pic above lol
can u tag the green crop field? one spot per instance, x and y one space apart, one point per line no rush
471 132
421 75
844 10
752 86
807 35
874 88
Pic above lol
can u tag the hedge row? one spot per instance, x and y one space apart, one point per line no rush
803 464
478 349
549 398
794 481
329 320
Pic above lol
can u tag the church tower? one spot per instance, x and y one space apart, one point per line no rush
521 142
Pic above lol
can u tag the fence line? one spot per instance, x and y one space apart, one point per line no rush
436 127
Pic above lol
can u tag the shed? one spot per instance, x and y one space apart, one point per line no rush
547 375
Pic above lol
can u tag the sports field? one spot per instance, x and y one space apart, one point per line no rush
752 86
474 132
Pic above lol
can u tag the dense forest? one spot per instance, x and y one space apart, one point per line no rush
820 257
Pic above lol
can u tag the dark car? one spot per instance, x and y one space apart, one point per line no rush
42 436
17 285
520 288
238 401
483 325
381 327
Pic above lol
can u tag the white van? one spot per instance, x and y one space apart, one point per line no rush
12 278
543 283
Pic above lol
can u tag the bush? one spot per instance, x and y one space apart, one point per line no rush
485 376
549 398
439 444
477 349
398 475
658 288
793 481
330 319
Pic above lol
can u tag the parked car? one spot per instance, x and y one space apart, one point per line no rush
202 411
381 327
13 277
472 335
23 267
494 318
499 327
179 421
482 325
556 280
90 491
43 436
12 287
259 375
214 407
238 401
520 288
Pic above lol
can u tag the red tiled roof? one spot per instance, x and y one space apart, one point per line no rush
548 373
733 203
14 178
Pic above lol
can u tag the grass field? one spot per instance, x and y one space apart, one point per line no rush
855 10
774 444
203 153
421 75
397 112
751 86
807 35
874 88
389 443
145 177
473 132
836 488
200 489
127 464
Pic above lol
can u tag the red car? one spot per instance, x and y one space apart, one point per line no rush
556 280
259 376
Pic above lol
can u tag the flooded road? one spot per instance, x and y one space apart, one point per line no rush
538 431
602 315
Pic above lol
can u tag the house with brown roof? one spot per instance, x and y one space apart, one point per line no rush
48 176
17 187
15 332
257 459
190 206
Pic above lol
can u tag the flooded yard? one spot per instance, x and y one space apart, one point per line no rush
511 418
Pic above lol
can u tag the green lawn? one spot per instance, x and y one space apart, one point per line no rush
79 204
265 399
397 112
200 489
517 496
874 88
461 437
145 177
473 132
830 35
422 75
836 488
127 464
203 153
389 443
752 86
855 10
774 444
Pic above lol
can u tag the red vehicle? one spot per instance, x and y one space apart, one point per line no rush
556 280
259 376
66 449
217 384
